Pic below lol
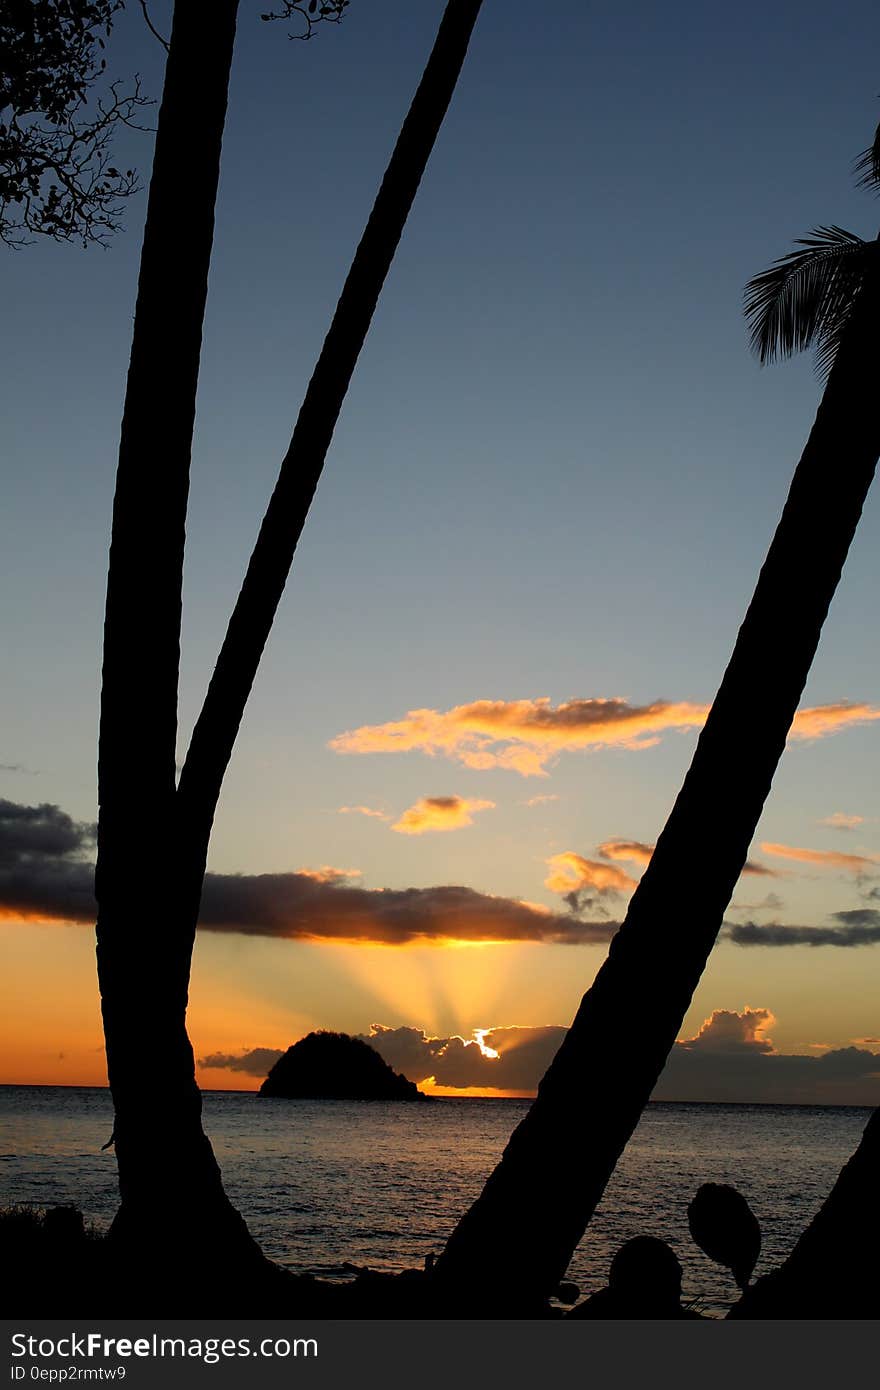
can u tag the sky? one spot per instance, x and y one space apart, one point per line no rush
554 480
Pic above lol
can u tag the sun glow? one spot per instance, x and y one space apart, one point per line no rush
430 1088
479 1036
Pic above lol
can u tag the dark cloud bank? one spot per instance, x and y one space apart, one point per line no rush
46 873
43 871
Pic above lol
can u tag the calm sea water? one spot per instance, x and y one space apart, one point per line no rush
382 1184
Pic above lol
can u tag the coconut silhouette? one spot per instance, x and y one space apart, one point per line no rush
726 1229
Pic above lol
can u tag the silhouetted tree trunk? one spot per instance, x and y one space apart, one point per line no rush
169 1180
145 936
538 1201
832 1272
218 723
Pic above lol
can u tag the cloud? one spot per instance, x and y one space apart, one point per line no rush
860 927
839 821
292 907
858 917
540 800
823 858
755 867
42 871
822 720
771 903
522 1055
637 852
44 877
44 832
633 850
257 1062
522 735
41 878
727 1031
328 874
731 1057
525 735
362 811
572 873
440 813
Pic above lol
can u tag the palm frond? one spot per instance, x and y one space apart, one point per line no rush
842 296
867 165
806 296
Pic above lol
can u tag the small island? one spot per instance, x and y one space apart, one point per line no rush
334 1066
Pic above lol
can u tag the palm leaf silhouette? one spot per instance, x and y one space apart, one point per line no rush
867 165
807 296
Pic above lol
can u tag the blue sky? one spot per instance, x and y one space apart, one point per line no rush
556 474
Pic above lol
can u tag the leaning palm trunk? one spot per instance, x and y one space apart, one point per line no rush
166 1168
538 1201
832 1271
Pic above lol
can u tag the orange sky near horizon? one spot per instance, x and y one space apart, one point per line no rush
252 992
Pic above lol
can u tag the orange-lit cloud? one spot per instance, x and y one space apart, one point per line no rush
525 735
327 874
440 813
522 735
540 800
823 858
821 720
570 872
362 811
839 821
635 851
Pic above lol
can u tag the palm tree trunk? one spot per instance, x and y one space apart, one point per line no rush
218 723
166 1167
167 1170
536 1204
832 1271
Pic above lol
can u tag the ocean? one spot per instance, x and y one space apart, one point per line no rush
379 1184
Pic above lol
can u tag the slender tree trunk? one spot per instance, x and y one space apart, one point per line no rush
218 723
833 1270
166 1168
538 1201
